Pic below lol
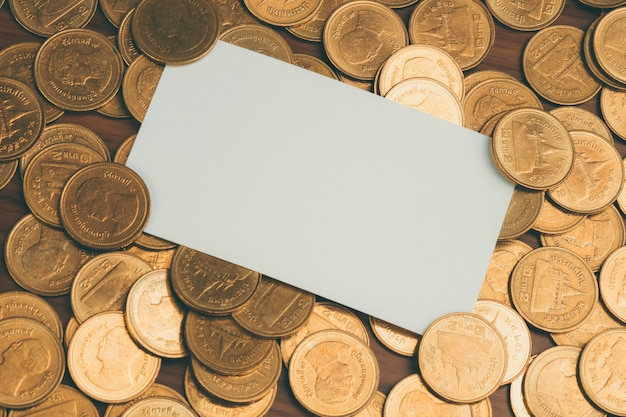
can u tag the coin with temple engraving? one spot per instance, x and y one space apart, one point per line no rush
45 18
462 357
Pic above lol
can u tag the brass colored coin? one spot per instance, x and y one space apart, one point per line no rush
232 13
125 42
598 321
106 364
70 329
394 338
115 108
7 171
577 118
78 69
591 58
410 394
553 66
16 61
241 389
463 28
451 344
476 77
596 178
360 35
324 316
41 259
554 220
123 150
207 406
156 405
612 282
175 32
514 332
428 96
516 398
333 373
281 13
222 345
602 371
593 239
261 39
525 16
621 198
533 148
608 39
505 256
275 309
63 401
33 362
25 304
22 118
375 407
553 289
210 285
604 4
155 390
522 213
102 284
154 243
140 82
105 206
314 64
50 17
115 10
551 378
157 259
311 30
360 84
613 107
154 317
482 408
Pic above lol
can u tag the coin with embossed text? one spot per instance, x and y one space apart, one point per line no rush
283 13
63 401
45 18
155 390
261 39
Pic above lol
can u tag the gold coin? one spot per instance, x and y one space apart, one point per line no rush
140 82
123 150
360 84
551 378
175 32
154 317
394 338
154 243
157 259
115 108
410 396
7 171
333 373
612 282
49 17
522 212
553 289
591 58
601 371
240 389
482 408
210 285
516 398
78 69
324 316
533 148
608 38
232 13
33 362
553 66
222 345
70 329
106 364
63 401
527 16
275 309
314 64
375 407
463 28
115 10
155 390
514 332
281 13
22 118
596 178
41 259
577 118
613 107
157 405
125 42
598 321
476 77
102 284
105 206
621 198
311 30
207 406
554 220
261 39
452 344
360 35
25 304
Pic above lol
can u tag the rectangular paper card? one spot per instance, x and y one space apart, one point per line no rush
323 186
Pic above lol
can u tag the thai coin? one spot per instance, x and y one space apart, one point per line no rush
596 178
592 62
594 239
604 4
42 259
333 373
21 116
210 285
325 315
261 39
521 213
154 243
482 408
311 30
70 329
105 206
281 13
360 35
554 67
394 338
553 289
16 61
232 13
220 344
106 364
464 28
123 150
554 220
175 32
7 171
33 362
150 405
608 44
516 397
459 349
25 304
115 108
612 282
314 64
157 259
116 10
551 385
155 390
621 198
63 401
533 148
360 84
525 16
78 69
275 309
125 42
475 78
577 118
375 407
613 107
49 17
102 284
140 82
598 321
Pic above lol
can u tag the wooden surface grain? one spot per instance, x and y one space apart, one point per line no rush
505 55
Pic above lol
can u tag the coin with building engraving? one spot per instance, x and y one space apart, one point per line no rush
64 401
45 18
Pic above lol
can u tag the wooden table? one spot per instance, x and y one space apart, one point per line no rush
505 55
